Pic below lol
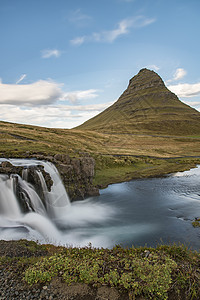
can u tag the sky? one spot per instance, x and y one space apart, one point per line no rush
64 61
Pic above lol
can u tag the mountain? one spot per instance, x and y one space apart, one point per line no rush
146 106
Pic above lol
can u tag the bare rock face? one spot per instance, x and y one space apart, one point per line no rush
63 158
145 79
77 175
7 168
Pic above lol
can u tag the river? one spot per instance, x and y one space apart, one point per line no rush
139 212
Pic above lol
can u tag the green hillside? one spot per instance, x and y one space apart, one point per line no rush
147 132
147 106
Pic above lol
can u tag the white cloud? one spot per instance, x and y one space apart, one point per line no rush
90 107
42 116
37 93
73 97
56 116
142 21
39 104
47 53
124 26
110 36
193 103
79 18
153 67
41 92
21 78
179 74
78 41
185 89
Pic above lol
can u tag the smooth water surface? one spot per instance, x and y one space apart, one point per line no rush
139 212
158 210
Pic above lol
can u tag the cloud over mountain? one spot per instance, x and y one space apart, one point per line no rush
185 89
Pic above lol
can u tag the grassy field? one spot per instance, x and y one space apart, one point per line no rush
118 157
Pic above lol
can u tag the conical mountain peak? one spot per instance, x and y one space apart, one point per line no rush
147 106
143 80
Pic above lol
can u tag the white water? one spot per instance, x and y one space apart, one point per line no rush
56 221
138 212
8 204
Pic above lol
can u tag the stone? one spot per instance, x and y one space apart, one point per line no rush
87 166
62 158
77 175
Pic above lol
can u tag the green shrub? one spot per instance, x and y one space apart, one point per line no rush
120 268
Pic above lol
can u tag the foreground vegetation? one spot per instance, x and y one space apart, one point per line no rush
158 273
152 273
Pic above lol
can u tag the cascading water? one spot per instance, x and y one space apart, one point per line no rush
139 212
51 218
9 206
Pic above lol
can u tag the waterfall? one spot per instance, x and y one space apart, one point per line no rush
33 201
9 206
29 210
21 204
57 201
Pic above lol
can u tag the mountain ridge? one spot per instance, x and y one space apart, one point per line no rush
147 105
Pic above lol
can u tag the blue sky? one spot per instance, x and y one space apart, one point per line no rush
64 61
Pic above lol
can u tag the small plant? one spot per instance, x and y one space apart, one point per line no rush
196 222
119 268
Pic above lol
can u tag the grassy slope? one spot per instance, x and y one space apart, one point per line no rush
143 114
24 140
146 106
131 151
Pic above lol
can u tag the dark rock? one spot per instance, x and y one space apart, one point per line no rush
76 166
87 166
63 158
66 170
77 175
7 168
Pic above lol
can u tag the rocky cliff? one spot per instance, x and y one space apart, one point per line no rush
76 173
